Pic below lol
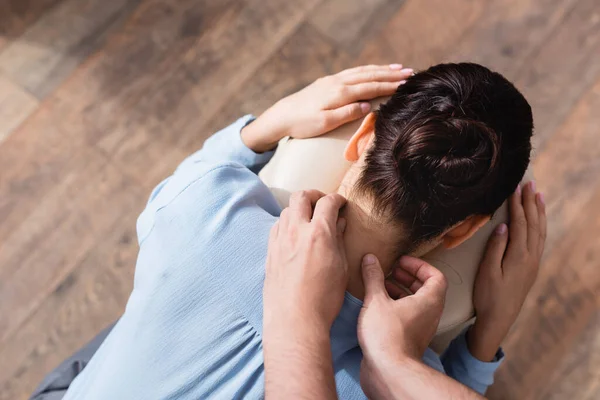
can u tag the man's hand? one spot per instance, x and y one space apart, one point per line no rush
305 281
324 105
507 272
392 332
306 270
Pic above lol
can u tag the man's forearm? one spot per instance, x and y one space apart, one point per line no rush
411 379
298 364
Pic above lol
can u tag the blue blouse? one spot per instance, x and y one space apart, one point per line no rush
193 323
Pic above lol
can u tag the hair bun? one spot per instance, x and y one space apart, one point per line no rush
448 158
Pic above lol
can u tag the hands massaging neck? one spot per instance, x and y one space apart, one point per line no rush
319 163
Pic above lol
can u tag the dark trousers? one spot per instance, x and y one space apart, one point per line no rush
55 384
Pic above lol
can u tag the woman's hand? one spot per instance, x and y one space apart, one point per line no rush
507 272
324 105
393 332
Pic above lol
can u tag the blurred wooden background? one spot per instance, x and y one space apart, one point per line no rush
101 99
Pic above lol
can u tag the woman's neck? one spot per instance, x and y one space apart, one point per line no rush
364 236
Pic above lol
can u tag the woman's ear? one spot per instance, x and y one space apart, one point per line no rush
361 139
463 231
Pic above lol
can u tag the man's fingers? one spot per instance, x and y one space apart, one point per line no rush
532 217
327 209
341 228
344 114
517 227
373 278
434 283
379 75
407 280
302 202
494 252
274 233
395 291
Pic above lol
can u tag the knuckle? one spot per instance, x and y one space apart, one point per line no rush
317 233
372 76
342 90
326 121
284 214
443 282
301 194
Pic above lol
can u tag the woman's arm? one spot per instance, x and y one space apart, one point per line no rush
324 105
317 109
506 274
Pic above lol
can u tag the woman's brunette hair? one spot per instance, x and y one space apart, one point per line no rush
452 142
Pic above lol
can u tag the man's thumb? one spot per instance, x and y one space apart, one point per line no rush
373 278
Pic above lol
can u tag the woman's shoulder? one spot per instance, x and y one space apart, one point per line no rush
208 198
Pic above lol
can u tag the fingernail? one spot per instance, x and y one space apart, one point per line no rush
401 83
395 66
408 70
518 189
369 259
533 186
365 107
542 198
501 229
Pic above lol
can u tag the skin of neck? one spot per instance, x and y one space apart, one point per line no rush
365 235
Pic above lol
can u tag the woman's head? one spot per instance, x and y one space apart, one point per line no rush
444 152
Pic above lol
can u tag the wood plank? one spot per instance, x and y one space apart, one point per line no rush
3 42
17 15
548 48
561 304
353 23
422 33
84 206
54 46
16 105
578 375
32 161
306 56
565 297
90 298
563 69
146 105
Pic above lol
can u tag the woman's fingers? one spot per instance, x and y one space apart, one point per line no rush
518 224
531 214
379 75
541 206
369 90
494 252
345 114
368 68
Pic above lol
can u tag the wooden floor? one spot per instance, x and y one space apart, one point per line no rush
101 99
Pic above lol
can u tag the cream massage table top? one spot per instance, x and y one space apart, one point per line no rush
319 163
